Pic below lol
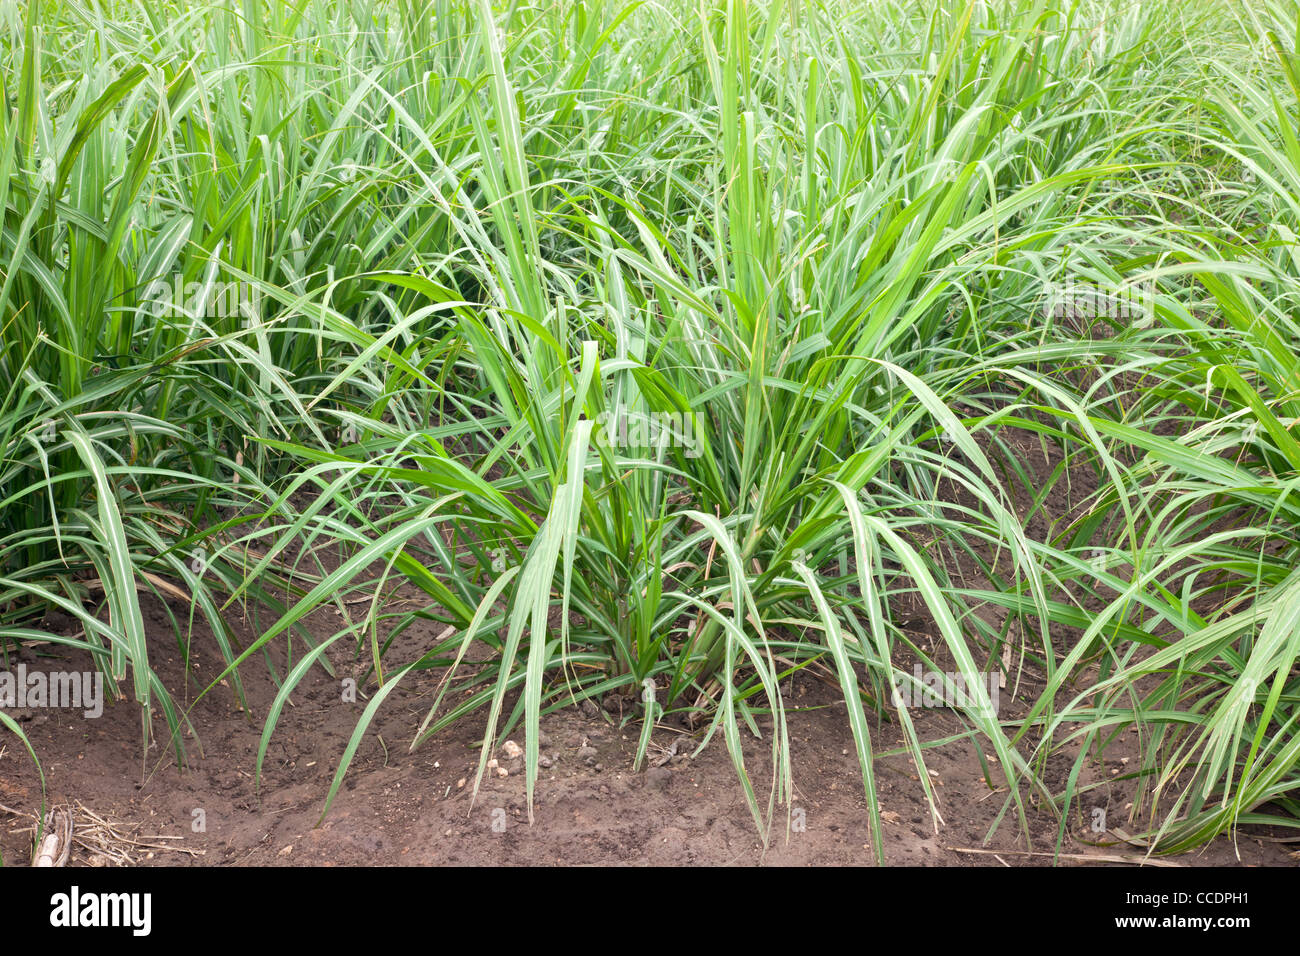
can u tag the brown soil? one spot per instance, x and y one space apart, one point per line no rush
398 807
415 808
